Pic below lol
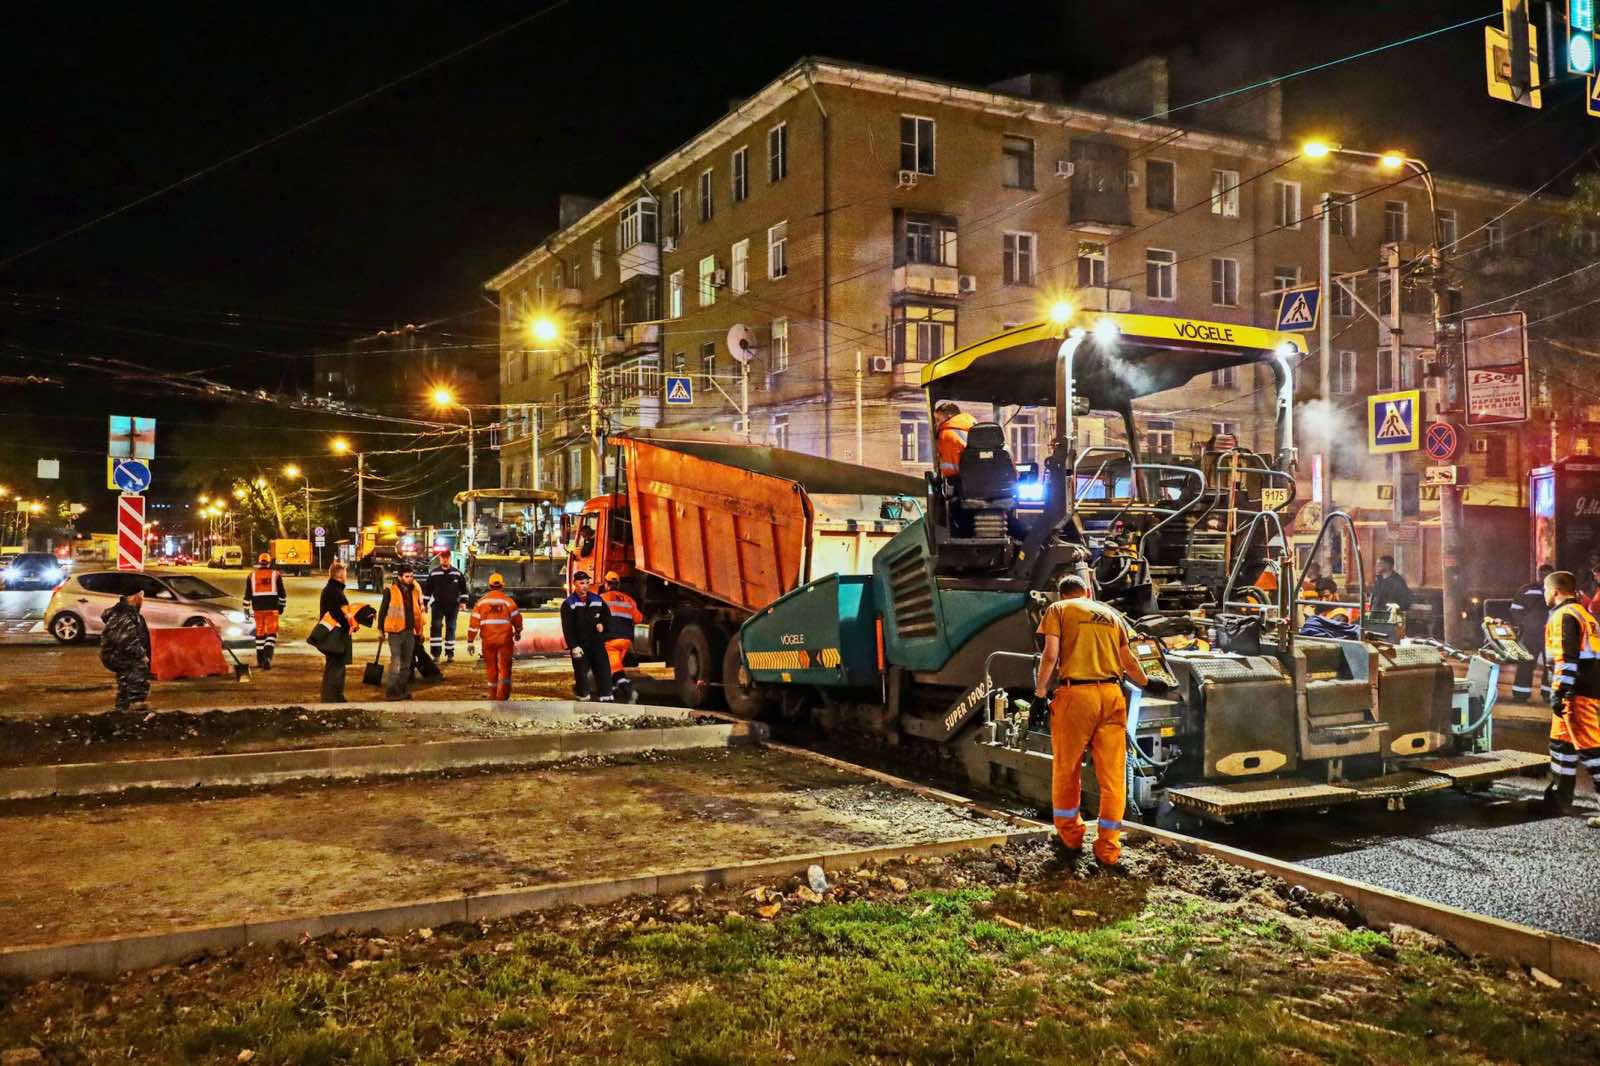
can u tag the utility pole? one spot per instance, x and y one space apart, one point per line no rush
361 497
1325 337
860 458
1396 463
744 394
534 437
594 424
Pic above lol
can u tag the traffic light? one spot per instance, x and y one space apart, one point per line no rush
1511 57
1580 37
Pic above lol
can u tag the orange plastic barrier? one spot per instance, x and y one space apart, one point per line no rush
541 635
193 651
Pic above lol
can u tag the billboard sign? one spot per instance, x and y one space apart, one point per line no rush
1497 368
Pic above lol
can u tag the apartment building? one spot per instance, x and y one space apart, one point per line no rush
861 223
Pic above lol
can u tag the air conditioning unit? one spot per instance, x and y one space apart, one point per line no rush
1480 444
719 278
1065 168
967 283
1133 179
906 179
882 364
669 244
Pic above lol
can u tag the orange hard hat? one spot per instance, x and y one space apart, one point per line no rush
263 558
612 575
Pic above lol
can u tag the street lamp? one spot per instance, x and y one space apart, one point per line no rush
444 399
292 471
342 446
547 330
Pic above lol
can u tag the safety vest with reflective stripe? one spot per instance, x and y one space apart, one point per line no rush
497 616
952 442
266 590
1587 665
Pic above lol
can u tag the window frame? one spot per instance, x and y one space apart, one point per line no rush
1225 193
1225 377
778 252
1156 264
1345 380
705 280
739 266
906 332
778 345
675 213
1224 281
1449 220
1149 186
739 178
1341 302
915 144
1405 221
1098 262
675 293
920 437
597 254
1012 256
777 161
637 224
1026 176
1342 214
1280 203
780 431
707 189
1023 451
708 366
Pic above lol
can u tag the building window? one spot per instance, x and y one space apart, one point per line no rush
1160 185
1091 265
1408 370
778 250
637 226
1022 436
675 214
1344 301
739 278
1447 227
1225 429
778 152
741 174
1016 162
708 206
1344 377
1225 193
780 345
1394 221
538 293
708 365
1287 200
916 439
708 288
930 240
1494 235
1385 369
1017 258
596 259
680 363
1225 377
1225 282
916 144
1341 214
1160 436
1160 274
1496 455
923 333
675 294
1285 277
780 431
574 468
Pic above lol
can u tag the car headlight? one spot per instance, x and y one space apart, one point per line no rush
233 616
235 631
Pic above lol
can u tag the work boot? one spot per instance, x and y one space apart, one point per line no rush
449 656
1558 793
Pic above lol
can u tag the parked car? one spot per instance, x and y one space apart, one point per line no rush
32 570
171 600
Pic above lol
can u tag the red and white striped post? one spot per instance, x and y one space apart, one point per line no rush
130 532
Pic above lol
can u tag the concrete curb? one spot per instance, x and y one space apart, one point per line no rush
115 954
269 767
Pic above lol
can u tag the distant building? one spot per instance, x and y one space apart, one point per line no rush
852 216
393 371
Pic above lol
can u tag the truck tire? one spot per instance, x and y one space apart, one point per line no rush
744 697
697 657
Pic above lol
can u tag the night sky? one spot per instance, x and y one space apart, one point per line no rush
398 208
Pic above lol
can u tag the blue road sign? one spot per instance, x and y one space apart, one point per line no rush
131 475
1297 308
680 391
1392 421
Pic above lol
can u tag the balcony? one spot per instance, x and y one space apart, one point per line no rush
569 297
640 260
631 391
926 279
1104 299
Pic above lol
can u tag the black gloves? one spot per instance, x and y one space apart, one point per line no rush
1558 704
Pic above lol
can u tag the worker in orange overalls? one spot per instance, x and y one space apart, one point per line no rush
954 425
1086 654
1572 655
500 620
625 614
264 595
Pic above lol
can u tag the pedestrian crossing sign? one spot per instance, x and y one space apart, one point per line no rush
1392 421
1297 308
680 391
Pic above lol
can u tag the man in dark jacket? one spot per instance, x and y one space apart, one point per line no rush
445 590
1528 613
125 651
585 619
1389 587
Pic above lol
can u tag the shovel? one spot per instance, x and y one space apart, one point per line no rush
241 672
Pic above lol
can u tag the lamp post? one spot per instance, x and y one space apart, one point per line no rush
444 399
545 330
342 446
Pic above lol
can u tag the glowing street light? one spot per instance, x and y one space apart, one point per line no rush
1392 160
291 471
544 329
1317 149
202 499
442 397
1060 312
340 446
239 493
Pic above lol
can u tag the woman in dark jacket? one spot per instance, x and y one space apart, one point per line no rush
334 609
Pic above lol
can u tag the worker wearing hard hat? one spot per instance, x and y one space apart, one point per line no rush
264 594
625 614
498 618
1572 655
952 429
1271 573
1086 656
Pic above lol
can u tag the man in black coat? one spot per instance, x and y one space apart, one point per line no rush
445 591
1528 612
125 651
585 619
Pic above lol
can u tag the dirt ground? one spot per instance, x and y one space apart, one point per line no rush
1010 956
102 867
85 738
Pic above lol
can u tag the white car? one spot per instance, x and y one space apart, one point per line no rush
171 600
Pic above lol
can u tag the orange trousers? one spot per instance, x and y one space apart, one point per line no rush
617 654
497 665
1089 718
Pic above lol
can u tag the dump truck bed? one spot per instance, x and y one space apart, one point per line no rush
744 524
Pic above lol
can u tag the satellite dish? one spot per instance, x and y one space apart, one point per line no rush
742 343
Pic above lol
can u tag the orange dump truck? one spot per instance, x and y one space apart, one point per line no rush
706 531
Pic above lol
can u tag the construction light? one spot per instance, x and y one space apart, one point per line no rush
386 522
1060 312
544 329
35 507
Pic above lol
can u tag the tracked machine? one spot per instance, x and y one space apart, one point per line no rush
934 647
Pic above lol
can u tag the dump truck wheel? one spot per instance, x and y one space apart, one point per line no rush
697 667
744 697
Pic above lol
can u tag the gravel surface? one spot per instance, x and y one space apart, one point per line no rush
1496 854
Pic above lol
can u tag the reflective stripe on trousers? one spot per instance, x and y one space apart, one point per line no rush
1089 719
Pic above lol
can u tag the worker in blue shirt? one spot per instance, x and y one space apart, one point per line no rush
585 620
